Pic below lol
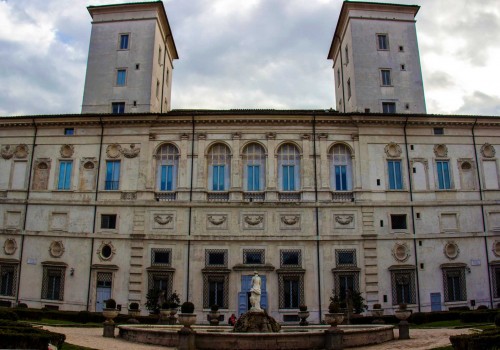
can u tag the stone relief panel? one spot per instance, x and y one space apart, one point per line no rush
344 221
290 221
466 169
21 151
10 246
56 249
114 150
451 250
393 150
6 152
440 150
420 174
162 220
494 221
87 180
67 151
487 150
448 222
41 174
13 219
131 152
217 222
58 221
401 252
253 221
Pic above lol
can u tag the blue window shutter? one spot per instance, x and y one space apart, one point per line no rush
221 177
169 178
250 186
291 177
67 179
398 183
256 177
60 183
163 178
446 175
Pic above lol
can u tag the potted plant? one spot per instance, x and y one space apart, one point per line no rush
187 318
214 315
174 302
334 316
110 311
303 315
152 298
377 310
133 309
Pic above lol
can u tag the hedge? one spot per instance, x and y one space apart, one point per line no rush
8 315
434 316
487 340
19 335
478 316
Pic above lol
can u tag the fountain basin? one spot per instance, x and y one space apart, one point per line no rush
290 337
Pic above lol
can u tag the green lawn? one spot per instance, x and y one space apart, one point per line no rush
452 324
50 322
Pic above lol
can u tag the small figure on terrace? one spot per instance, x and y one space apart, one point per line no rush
232 320
255 293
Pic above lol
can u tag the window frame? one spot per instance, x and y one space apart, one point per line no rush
65 184
49 290
109 221
247 252
289 163
121 77
219 167
8 269
154 251
385 77
121 45
393 180
387 107
167 157
395 216
443 176
458 272
385 41
340 156
398 273
118 107
254 162
112 180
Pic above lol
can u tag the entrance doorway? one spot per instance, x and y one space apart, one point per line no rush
244 295
103 289
435 301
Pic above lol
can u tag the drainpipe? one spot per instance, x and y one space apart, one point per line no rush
95 212
318 261
190 209
410 187
33 145
482 214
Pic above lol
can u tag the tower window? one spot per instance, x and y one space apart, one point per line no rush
389 107
121 77
438 131
137 66
386 77
403 67
401 48
346 55
348 89
69 131
383 42
118 107
124 40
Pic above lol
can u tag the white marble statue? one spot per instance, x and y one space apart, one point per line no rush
255 293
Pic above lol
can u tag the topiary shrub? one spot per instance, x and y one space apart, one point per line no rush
187 307
110 304
482 307
214 308
487 340
133 306
18 335
303 307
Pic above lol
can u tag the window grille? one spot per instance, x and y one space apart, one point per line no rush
398 222
215 289
8 281
343 196
291 258
161 257
104 279
291 289
53 282
253 256
454 284
403 287
254 196
218 197
345 257
165 196
345 281
161 280
216 257
495 280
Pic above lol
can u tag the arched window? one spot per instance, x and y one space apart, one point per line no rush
288 168
167 160
340 168
219 160
254 167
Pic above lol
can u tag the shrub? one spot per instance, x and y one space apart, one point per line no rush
28 314
434 316
8 315
18 335
487 340
174 300
214 307
334 306
110 304
478 316
134 306
152 300
303 307
22 306
497 320
187 307
83 316
482 307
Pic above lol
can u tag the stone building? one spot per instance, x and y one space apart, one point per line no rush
402 207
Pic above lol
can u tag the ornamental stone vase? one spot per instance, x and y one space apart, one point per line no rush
303 315
110 314
187 320
214 318
402 314
334 319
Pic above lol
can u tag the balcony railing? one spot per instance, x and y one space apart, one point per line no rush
254 196
218 196
165 196
289 196
343 196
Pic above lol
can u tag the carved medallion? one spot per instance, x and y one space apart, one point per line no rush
290 220
253 220
21 151
451 250
113 151
67 151
401 252
56 249
7 152
441 150
344 219
392 149
10 246
132 152
487 150
163 219
106 251
496 248
216 219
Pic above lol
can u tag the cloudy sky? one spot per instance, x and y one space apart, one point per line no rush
247 54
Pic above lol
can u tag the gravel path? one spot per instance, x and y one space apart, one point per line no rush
421 339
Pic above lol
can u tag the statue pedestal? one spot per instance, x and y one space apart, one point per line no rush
256 321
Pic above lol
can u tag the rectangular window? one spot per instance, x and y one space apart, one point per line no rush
121 77
160 257
157 88
389 107
291 292
403 287
108 221
53 283
291 258
386 77
338 76
288 177
216 257
395 177
69 131
346 55
253 257
345 257
346 283
8 274
112 182
118 107
64 182
124 41
443 174
340 177
454 284
398 222
218 176
348 88
167 178
496 281
216 293
253 181
438 131
383 42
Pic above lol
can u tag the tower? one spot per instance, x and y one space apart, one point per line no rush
376 60
130 60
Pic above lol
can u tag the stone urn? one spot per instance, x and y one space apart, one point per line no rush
110 314
402 314
214 318
303 315
334 319
187 320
